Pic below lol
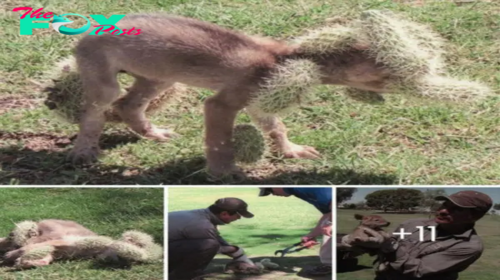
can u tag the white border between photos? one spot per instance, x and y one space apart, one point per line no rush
334 196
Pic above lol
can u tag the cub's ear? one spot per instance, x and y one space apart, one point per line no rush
358 216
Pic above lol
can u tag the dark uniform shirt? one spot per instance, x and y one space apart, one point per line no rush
441 259
194 224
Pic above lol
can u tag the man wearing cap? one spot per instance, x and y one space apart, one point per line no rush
455 248
193 238
321 198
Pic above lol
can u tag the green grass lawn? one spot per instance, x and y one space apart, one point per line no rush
403 141
107 212
486 268
279 222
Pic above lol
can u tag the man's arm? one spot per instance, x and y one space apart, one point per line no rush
455 259
235 252
376 243
318 229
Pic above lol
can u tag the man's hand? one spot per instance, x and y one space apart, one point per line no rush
239 255
345 242
377 240
308 241
327 230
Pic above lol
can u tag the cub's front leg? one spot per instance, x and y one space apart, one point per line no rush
34 255
220 113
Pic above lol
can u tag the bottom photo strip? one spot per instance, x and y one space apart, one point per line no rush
242 232
82 233
418 233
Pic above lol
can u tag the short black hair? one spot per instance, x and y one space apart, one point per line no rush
217 210
477 213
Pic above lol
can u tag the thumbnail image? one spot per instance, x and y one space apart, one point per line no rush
418 233
82 233
267 233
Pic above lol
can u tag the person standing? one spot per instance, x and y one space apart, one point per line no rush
321 198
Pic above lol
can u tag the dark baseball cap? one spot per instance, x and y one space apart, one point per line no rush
265 191
469 199
234 204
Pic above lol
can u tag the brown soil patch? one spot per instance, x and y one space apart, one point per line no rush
56 143
36 141
13 102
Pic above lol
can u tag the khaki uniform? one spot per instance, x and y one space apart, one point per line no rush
194 224
193 242
441 259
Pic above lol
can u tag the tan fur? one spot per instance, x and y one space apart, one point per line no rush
358 235
58 233
374 222
173 49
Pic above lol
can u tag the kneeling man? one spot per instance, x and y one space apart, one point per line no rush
193 238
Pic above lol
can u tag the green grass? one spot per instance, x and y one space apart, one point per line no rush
278 223
404 141
106 211
486 268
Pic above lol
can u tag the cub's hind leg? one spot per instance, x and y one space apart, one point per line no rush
101 89
25 264
132 107
276 129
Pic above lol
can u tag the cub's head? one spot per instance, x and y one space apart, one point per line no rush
375 222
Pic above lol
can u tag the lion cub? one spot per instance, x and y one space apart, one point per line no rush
174 49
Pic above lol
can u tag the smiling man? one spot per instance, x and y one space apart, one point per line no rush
456 245
193 238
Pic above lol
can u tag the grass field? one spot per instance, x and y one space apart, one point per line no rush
279 222
403 141
107 212
486 268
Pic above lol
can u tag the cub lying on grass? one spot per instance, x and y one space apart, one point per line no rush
33 244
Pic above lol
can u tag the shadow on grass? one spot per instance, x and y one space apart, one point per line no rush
22 165
346 268
349 264
107 265
91 264
288 267
269 236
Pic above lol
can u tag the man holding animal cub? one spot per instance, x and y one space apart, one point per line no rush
321 198
455 248
193 238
